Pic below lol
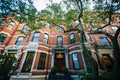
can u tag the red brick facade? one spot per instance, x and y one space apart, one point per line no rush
50 49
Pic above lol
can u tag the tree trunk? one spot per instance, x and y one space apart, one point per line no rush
116 67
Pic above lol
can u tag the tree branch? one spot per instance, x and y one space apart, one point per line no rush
117 32
102 32
109 14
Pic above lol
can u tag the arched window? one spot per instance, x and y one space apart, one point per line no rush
19 40
36 37
2 37
25 28
72 38
59 40
45 40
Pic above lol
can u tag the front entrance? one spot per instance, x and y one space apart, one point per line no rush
59 62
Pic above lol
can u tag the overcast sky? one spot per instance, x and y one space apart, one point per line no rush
41 4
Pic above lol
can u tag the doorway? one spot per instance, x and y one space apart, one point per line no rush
59 62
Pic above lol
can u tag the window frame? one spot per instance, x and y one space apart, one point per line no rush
59 42
115 28
45 39
27 65
2 36
19 41
75 60
72 40
104 41
2 22
36 38
42 61
11 25
25 28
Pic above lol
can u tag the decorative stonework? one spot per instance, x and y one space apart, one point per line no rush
32 45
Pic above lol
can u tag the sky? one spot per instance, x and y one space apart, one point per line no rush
41 4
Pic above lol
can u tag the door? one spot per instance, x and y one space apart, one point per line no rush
59 62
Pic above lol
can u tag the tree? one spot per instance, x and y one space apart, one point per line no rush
22 11
103 15
74 13
6 64
103 10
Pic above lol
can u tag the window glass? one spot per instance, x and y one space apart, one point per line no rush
10 26
2 37
47 25
72 38
75 61
42 59
45 40
104 41
2 22
36 36
107 61
114 28
25 28
59 28
19 40
28 62
59 40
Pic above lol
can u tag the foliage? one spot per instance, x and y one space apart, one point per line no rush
6 63
22 10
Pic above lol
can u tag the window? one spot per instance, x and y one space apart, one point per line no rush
59 28
114 28
2 22
2 38
36 37
47 25
19 40
77 22
107 61
59 40
72 38
45 40
10 26
88 66
104 41
28 62
42 59
75 61
25 28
